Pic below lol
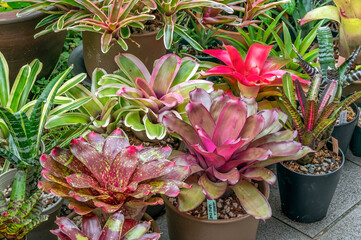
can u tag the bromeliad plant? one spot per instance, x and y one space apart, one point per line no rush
112 18
343 74
348 14
246 77
107 173
116 228
21 214
15 126
145 96
247 12
317 116
115 18
231 144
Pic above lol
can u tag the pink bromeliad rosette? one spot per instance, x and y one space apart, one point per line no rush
248 76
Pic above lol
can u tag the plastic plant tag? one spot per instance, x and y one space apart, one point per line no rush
335 145
212 209
343 117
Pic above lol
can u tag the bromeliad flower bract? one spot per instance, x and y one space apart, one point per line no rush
110 174
250 74
231 144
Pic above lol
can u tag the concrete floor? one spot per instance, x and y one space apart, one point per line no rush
343 220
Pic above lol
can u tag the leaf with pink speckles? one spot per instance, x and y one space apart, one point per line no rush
54 167
67 159
96 140
149 154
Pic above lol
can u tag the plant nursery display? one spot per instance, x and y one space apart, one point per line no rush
190 104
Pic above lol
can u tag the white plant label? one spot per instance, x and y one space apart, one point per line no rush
212 209
343 117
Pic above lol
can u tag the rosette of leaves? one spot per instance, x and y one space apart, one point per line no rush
317 116
110 18
231 144
343 74
21 214
107 173
146 97
116 228
247 12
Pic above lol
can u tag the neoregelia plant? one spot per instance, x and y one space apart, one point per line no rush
231 144
20 215
147 96
116 228
107 173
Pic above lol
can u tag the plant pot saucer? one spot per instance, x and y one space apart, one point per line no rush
76 59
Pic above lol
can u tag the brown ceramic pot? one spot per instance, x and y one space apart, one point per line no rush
19 47
150 49
182 226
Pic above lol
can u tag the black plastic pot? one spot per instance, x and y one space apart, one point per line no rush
306 198
343 132
355 145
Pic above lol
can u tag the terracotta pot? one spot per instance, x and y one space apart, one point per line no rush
182 226
19 47
150 49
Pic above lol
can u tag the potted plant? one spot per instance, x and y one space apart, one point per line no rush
247 13
348 15
146 97
15 99
230 144
116 21
116 228
109 175
313 116
344 76
248 75
18 44
22 212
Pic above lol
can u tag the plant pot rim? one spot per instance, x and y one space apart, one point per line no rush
10 17
320 175
353 120
47 210
218 221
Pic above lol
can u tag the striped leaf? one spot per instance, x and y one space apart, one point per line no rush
312 93
17 197
346 66
296 118
36 67
327 95
326 54
17 89
42 108
353 76
301 96
311 114
4 81
349 100
322 127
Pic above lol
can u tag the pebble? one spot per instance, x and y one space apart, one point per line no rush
324 169
304 169
311 170
328 160
325 164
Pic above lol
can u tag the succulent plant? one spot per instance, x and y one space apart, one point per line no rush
318 112
343 74
148 96
107 173
230 145
116 228
249 75
22 213
348 15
